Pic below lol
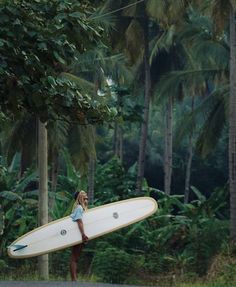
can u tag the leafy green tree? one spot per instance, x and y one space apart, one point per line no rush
113 182
34 54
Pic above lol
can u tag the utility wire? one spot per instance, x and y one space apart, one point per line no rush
114 11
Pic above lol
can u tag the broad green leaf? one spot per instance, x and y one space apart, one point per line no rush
31 202
10 214
23 183
199 195
59 58
51 80
10 195
76 15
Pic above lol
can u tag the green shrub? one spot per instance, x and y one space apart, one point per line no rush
59 263
112 265
113 182
3 264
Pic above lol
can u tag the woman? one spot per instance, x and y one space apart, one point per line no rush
81 205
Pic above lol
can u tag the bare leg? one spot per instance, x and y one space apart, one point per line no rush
75 253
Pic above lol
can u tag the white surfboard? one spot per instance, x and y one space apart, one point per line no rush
63 233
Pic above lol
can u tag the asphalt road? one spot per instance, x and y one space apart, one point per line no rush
56 284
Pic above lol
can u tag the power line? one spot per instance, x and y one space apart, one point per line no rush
114 11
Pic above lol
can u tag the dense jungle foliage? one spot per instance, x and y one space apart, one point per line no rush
137 98
181 240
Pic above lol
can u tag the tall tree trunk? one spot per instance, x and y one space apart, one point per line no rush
92 166
91 176
189 164
118 133
43 193
188 170
115 140
92 157
26 160
121 144
54 171
118 142
144 125
232 126
2 227
27 150
168 146
54 174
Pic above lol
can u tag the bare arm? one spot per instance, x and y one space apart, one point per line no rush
81 228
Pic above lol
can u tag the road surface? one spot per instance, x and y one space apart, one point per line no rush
56 284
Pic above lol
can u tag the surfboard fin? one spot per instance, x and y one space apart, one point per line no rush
18 247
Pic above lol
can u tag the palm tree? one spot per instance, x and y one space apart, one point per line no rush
189 162
133 39
94 67
168 15
147 96
204 62
221 11
20 136
209 73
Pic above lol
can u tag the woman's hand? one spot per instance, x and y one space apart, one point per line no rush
84 238
81 228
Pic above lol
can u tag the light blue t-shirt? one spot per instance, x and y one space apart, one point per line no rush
77 213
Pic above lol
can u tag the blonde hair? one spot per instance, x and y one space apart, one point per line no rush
80 200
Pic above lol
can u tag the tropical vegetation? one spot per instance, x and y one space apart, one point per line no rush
123 99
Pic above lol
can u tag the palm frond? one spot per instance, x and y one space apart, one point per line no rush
21 135
171 83
233 3
132 10
212 129
82 146
102 18
192 120
101 62
157 9
118 69
220 13
166 12
85 85
70 169
163 42
15 164
134 40
211 52
29 176
185 126
198 37
196 28
57 134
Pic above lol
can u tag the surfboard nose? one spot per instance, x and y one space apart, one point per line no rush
13 248
18 247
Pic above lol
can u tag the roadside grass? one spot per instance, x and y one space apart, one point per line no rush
210 284
28 272
93 279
